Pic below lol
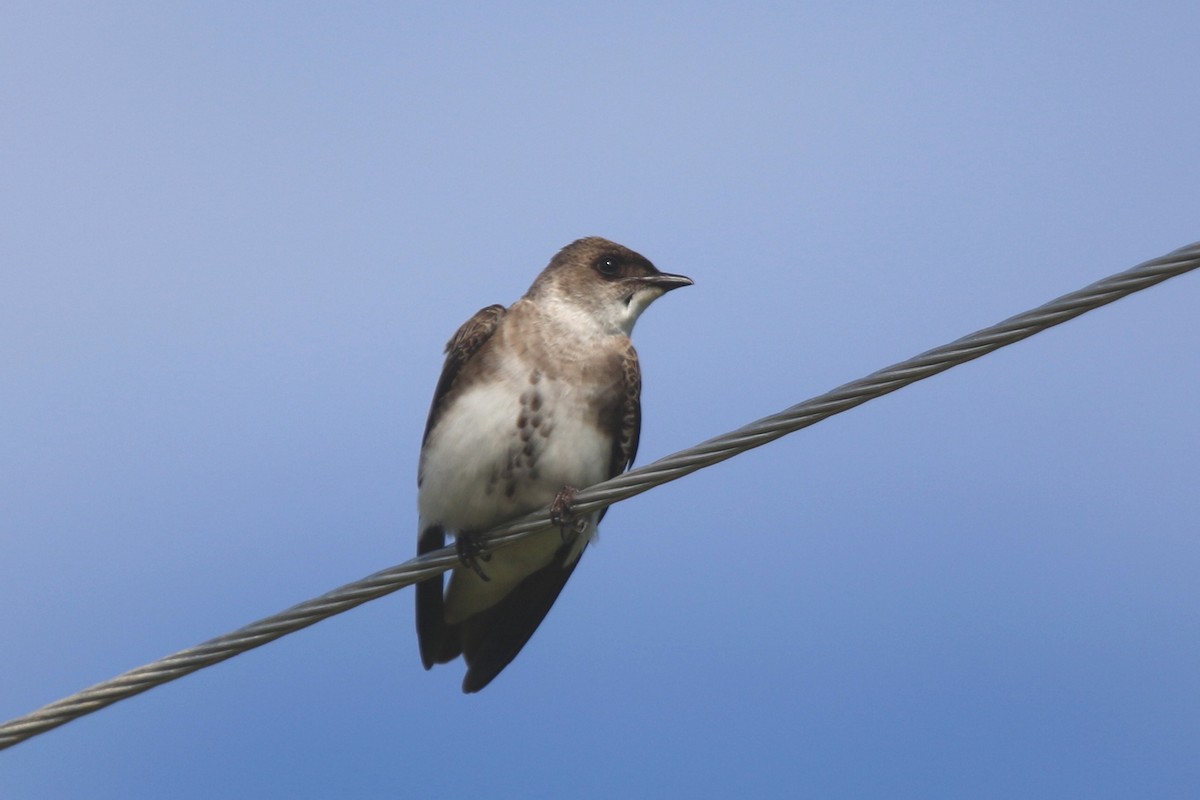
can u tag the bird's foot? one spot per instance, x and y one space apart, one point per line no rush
470 552
561 513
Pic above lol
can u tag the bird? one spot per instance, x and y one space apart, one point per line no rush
534 402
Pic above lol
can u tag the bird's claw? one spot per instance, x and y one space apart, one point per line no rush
561 513
470 552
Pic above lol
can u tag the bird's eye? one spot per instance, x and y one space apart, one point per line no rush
608 266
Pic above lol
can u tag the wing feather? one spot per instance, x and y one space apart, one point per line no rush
438 642
462 346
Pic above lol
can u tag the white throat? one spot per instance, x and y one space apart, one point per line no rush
612 317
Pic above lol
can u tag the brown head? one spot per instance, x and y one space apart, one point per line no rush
607 282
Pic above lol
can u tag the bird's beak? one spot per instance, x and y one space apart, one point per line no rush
666 281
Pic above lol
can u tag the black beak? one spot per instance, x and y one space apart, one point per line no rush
666 281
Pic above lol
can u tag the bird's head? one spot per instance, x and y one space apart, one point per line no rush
609 283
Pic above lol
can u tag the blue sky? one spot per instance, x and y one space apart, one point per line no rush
235 239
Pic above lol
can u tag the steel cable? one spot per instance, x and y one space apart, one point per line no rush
622 487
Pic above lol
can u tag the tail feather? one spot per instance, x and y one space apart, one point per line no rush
491 639
438 641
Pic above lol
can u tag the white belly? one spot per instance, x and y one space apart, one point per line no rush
481 467
478 470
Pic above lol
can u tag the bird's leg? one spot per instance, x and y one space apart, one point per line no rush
471 551
561 513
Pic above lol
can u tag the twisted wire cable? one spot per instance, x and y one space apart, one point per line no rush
611 491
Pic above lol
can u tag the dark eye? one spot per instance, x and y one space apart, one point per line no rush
608 266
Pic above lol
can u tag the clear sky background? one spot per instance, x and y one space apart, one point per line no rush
235 237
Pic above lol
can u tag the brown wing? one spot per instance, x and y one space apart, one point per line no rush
464 344
629 429
437 643
624 415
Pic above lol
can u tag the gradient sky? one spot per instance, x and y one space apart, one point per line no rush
234 238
